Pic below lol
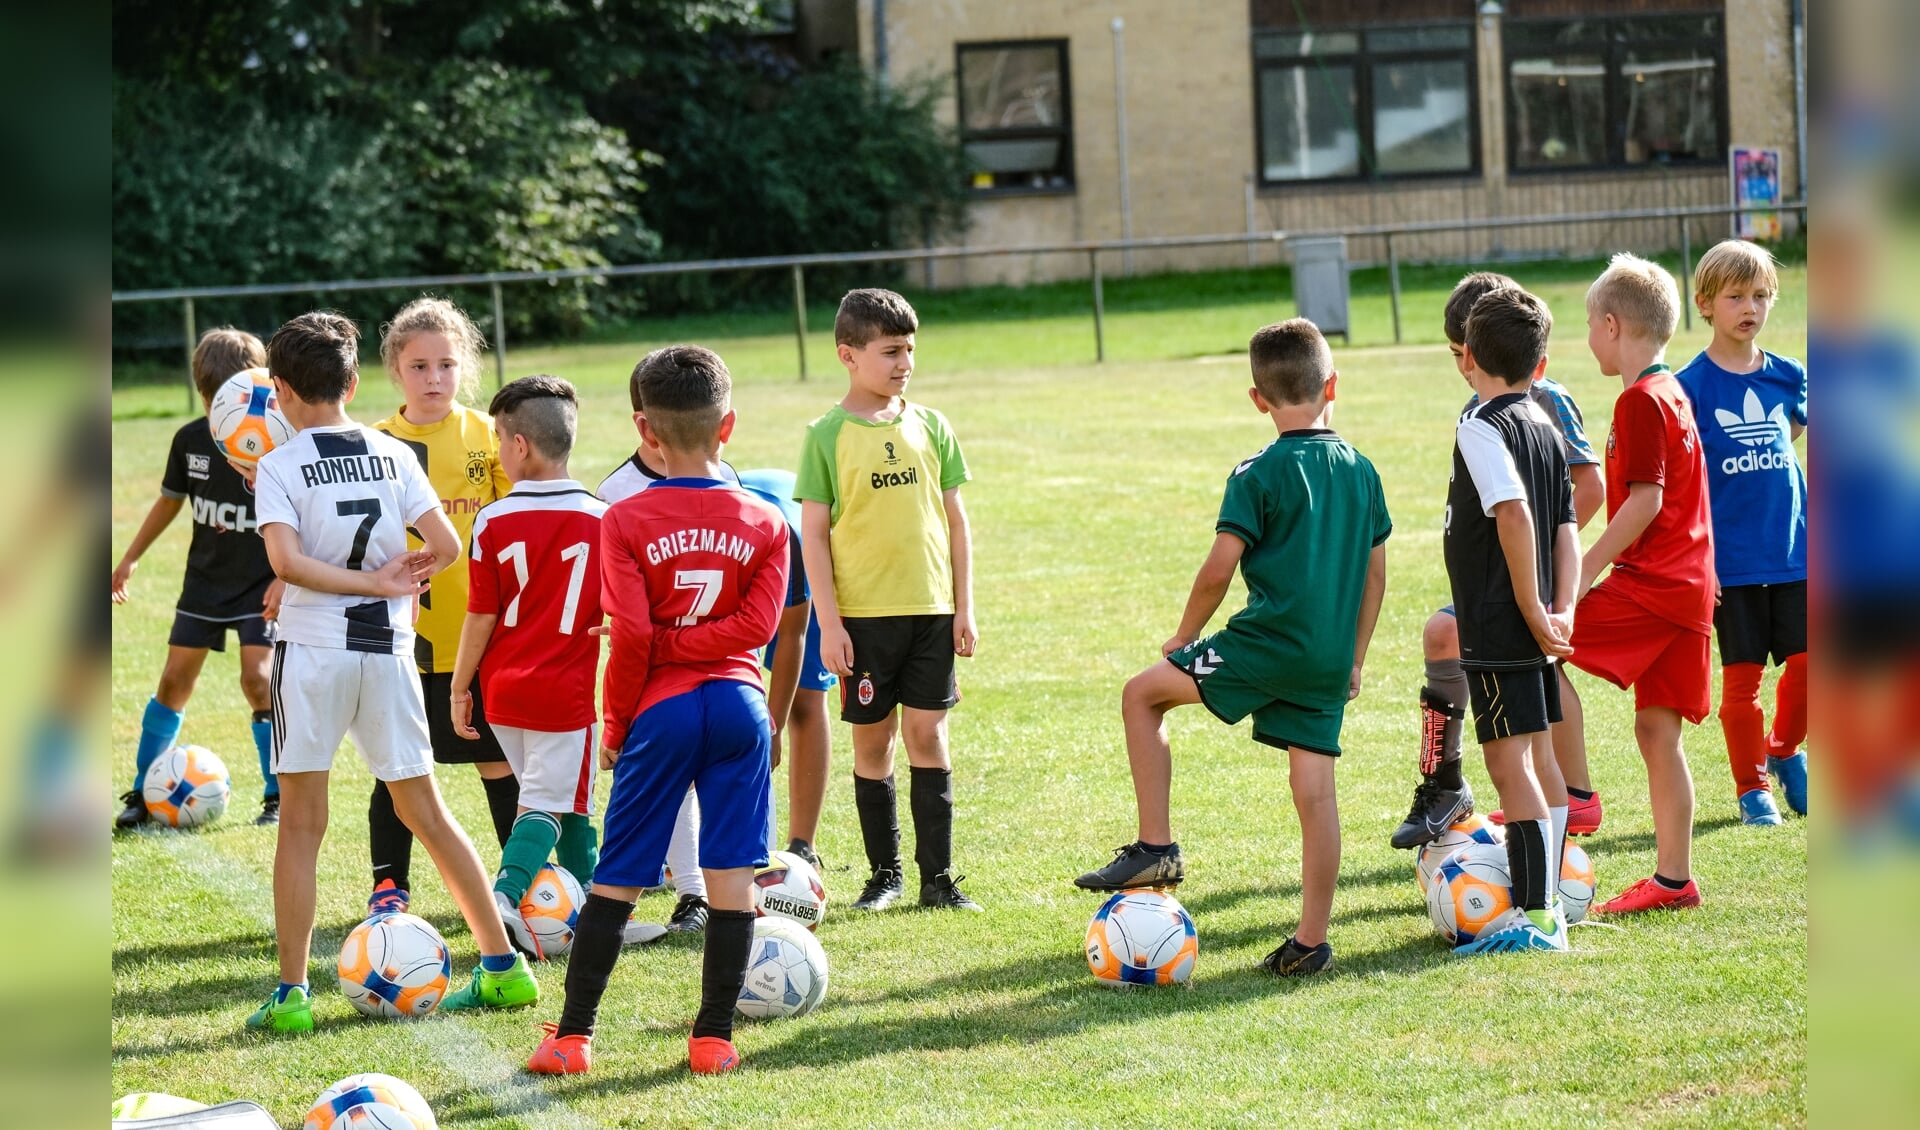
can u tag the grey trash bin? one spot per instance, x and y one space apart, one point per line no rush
1320 281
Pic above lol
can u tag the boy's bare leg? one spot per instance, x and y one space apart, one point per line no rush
1510 764
1143 710
296 854
416 800
925 732
1311 777
809 750
180 675
1546 768
1670 786
1570 737
730 889
873 748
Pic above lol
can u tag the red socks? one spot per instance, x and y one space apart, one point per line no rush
1790 708
1745 725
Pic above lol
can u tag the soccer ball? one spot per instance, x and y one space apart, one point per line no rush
245 416
789 887
186 786
1469 891
1142 938
1576 883
395 965
371 1101
1475 829
549 908
786 971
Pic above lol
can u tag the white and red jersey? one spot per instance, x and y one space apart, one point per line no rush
694 574
535 563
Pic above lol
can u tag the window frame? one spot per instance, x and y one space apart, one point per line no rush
1065 132
1613 51
1363 62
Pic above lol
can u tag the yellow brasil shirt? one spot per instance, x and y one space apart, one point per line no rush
461 457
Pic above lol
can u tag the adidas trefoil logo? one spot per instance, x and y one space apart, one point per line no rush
1756 428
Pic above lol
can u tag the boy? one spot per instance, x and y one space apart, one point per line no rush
890 559
1647 626
533 595
1307 506
335 505
692 573
228 581
1513 556
1758 495
1443 797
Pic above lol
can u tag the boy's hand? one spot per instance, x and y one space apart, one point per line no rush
122 573
405 575
463 716
1551 631
964 633
774 761
608 755
1353 684
247 471
270 607
1175 644
836 648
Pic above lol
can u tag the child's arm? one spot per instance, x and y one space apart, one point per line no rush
1370 599
475 632
747 628
441 539
1209 589
1629 522
789 648
1566 575
1589 492
623 596
405 575
960 549
816 546
165 509
1513 518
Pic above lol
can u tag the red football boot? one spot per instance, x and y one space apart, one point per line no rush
711 1055
1583 816
1650 895
561 1055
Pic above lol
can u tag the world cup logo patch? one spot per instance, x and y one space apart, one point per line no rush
866 691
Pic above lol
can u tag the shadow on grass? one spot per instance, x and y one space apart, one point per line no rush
1643 841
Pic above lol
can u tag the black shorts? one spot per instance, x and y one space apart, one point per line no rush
1507 704
192 631
1755 621
449 748
898 661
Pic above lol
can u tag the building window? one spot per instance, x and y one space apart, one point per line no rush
1381 102
1016 115
1615 91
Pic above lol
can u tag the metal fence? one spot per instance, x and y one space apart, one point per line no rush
1093 249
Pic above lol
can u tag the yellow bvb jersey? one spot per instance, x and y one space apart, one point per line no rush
462 459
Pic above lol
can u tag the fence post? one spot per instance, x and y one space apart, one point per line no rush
499 340
800 317
1099 308
193 391
1393 285
1686 270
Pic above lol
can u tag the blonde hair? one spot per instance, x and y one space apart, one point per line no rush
1640 293
221 353
1732 262
428 314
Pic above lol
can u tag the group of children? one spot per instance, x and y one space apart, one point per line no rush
856 572
1705 533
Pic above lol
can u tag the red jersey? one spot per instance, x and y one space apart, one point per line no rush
693 574
535 562
1668 570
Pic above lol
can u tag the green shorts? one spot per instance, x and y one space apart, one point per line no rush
1231 695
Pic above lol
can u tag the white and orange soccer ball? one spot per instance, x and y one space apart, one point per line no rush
245 416
786 971
789 887
1576 883
395 965
1142 938
1474 829
371 1101
550 908
1470 890
186 787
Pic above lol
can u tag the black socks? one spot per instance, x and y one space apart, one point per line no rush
597 936
1527 863
1670 884
932 802
389 840
1579 794
723 970
879 820
503 804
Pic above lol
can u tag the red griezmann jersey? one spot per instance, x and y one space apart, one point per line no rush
535 562
693 575
1668 570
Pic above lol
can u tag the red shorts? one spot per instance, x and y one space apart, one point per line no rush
1665 664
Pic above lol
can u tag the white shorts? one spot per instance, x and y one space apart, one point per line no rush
555 770
322 694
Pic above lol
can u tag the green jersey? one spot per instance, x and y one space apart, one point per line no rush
1310 509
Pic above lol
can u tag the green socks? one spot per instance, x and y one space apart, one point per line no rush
525 853
579 849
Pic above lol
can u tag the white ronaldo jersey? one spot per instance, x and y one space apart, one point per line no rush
350 492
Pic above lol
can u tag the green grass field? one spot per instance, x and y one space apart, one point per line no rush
1093 501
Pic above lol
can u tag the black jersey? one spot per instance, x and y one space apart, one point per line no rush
1505 448
227 569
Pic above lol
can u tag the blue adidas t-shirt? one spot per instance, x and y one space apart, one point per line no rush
1754 481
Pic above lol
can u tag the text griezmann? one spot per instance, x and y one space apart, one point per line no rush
699 541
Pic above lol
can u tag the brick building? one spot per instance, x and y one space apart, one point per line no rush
1317 114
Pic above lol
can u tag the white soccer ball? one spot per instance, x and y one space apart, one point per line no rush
786 971
1576 883
789 887
371 1101
550 908
186 787
1142 938
1475 829
1471 891
395 965
245 416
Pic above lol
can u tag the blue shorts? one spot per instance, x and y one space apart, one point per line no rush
715 738
814 675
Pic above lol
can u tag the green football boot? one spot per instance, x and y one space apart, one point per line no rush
515 988
295 1014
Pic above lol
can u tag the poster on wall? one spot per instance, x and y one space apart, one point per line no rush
1756 182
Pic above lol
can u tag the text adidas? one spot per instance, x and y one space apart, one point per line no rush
1756 461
